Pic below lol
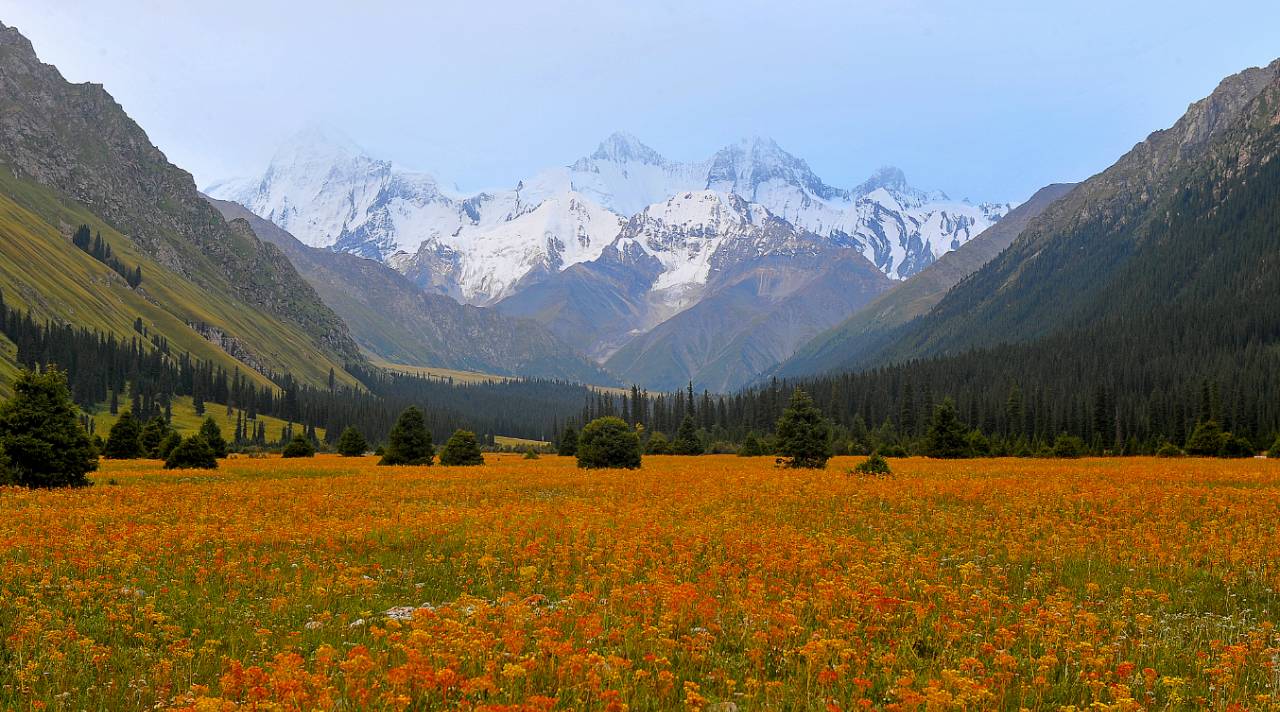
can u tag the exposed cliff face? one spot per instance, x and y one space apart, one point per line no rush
76 139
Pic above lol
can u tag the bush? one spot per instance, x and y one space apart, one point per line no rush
154 433
657 445
461 450
1168 449
299 446
1206 440
979 445
1274 452
352 443
193 453
568 443
43 442
212 435
409 442
531 454
1235 447
804 435
124 441
608 443
874 465
751 447
1068 446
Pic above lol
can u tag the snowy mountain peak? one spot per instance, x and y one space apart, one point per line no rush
621 147
747 165
890 178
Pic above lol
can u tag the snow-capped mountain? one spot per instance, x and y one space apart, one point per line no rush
478 247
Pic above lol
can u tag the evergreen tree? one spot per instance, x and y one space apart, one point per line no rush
193 453
409 442
154 433
212 435
1168 449
948 438
1068 446
42 441
352 443
124 441
568 443
299 446
609 442
172 441
803 434
1274 452
875 465
1207 439
461 450
687 442
1235 446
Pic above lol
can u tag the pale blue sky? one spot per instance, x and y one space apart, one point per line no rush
988 100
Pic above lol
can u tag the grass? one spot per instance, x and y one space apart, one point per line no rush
331 583
186 421
42 271
456 376
505 441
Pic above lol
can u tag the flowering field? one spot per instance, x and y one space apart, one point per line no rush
713 583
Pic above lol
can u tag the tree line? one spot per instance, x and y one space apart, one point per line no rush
100 250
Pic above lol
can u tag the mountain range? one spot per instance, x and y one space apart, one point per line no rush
616 253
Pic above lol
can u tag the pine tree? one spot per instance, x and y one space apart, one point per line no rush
1207 439
299 446
212 435
568 443
166 447
461 450
124 441
409 442
42 441
352 443
803 434
948 437
609 442
687 442
154 433
751 446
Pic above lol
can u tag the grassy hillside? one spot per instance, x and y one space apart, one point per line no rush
186 422
41 270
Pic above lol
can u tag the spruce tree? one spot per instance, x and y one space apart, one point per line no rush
212 435
409 442
687 442
299 446
1207 439
568 443
948 438
461 450
657 445
1274 452
154 433
609 442
42 441
172 441
193 453
751 447
803 434
352 443
124 441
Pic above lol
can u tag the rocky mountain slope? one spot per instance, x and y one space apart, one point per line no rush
70 154
390 317
871 327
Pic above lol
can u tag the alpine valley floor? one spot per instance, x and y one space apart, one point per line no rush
713 583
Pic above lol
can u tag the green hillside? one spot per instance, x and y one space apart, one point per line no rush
186 421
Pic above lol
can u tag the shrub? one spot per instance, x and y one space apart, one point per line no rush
751 447
804 435
352 443
1168 449
154 433
461 450
212 435
193 453
979 445
608 443
409 442
657 445
1274 452
1234 446
1068 446
687 442
568 443
873 465
299 446
531 454
1206 440
124 441
43 442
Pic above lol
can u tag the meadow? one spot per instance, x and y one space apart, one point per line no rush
713 583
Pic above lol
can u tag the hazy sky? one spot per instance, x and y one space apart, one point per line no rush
988 100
